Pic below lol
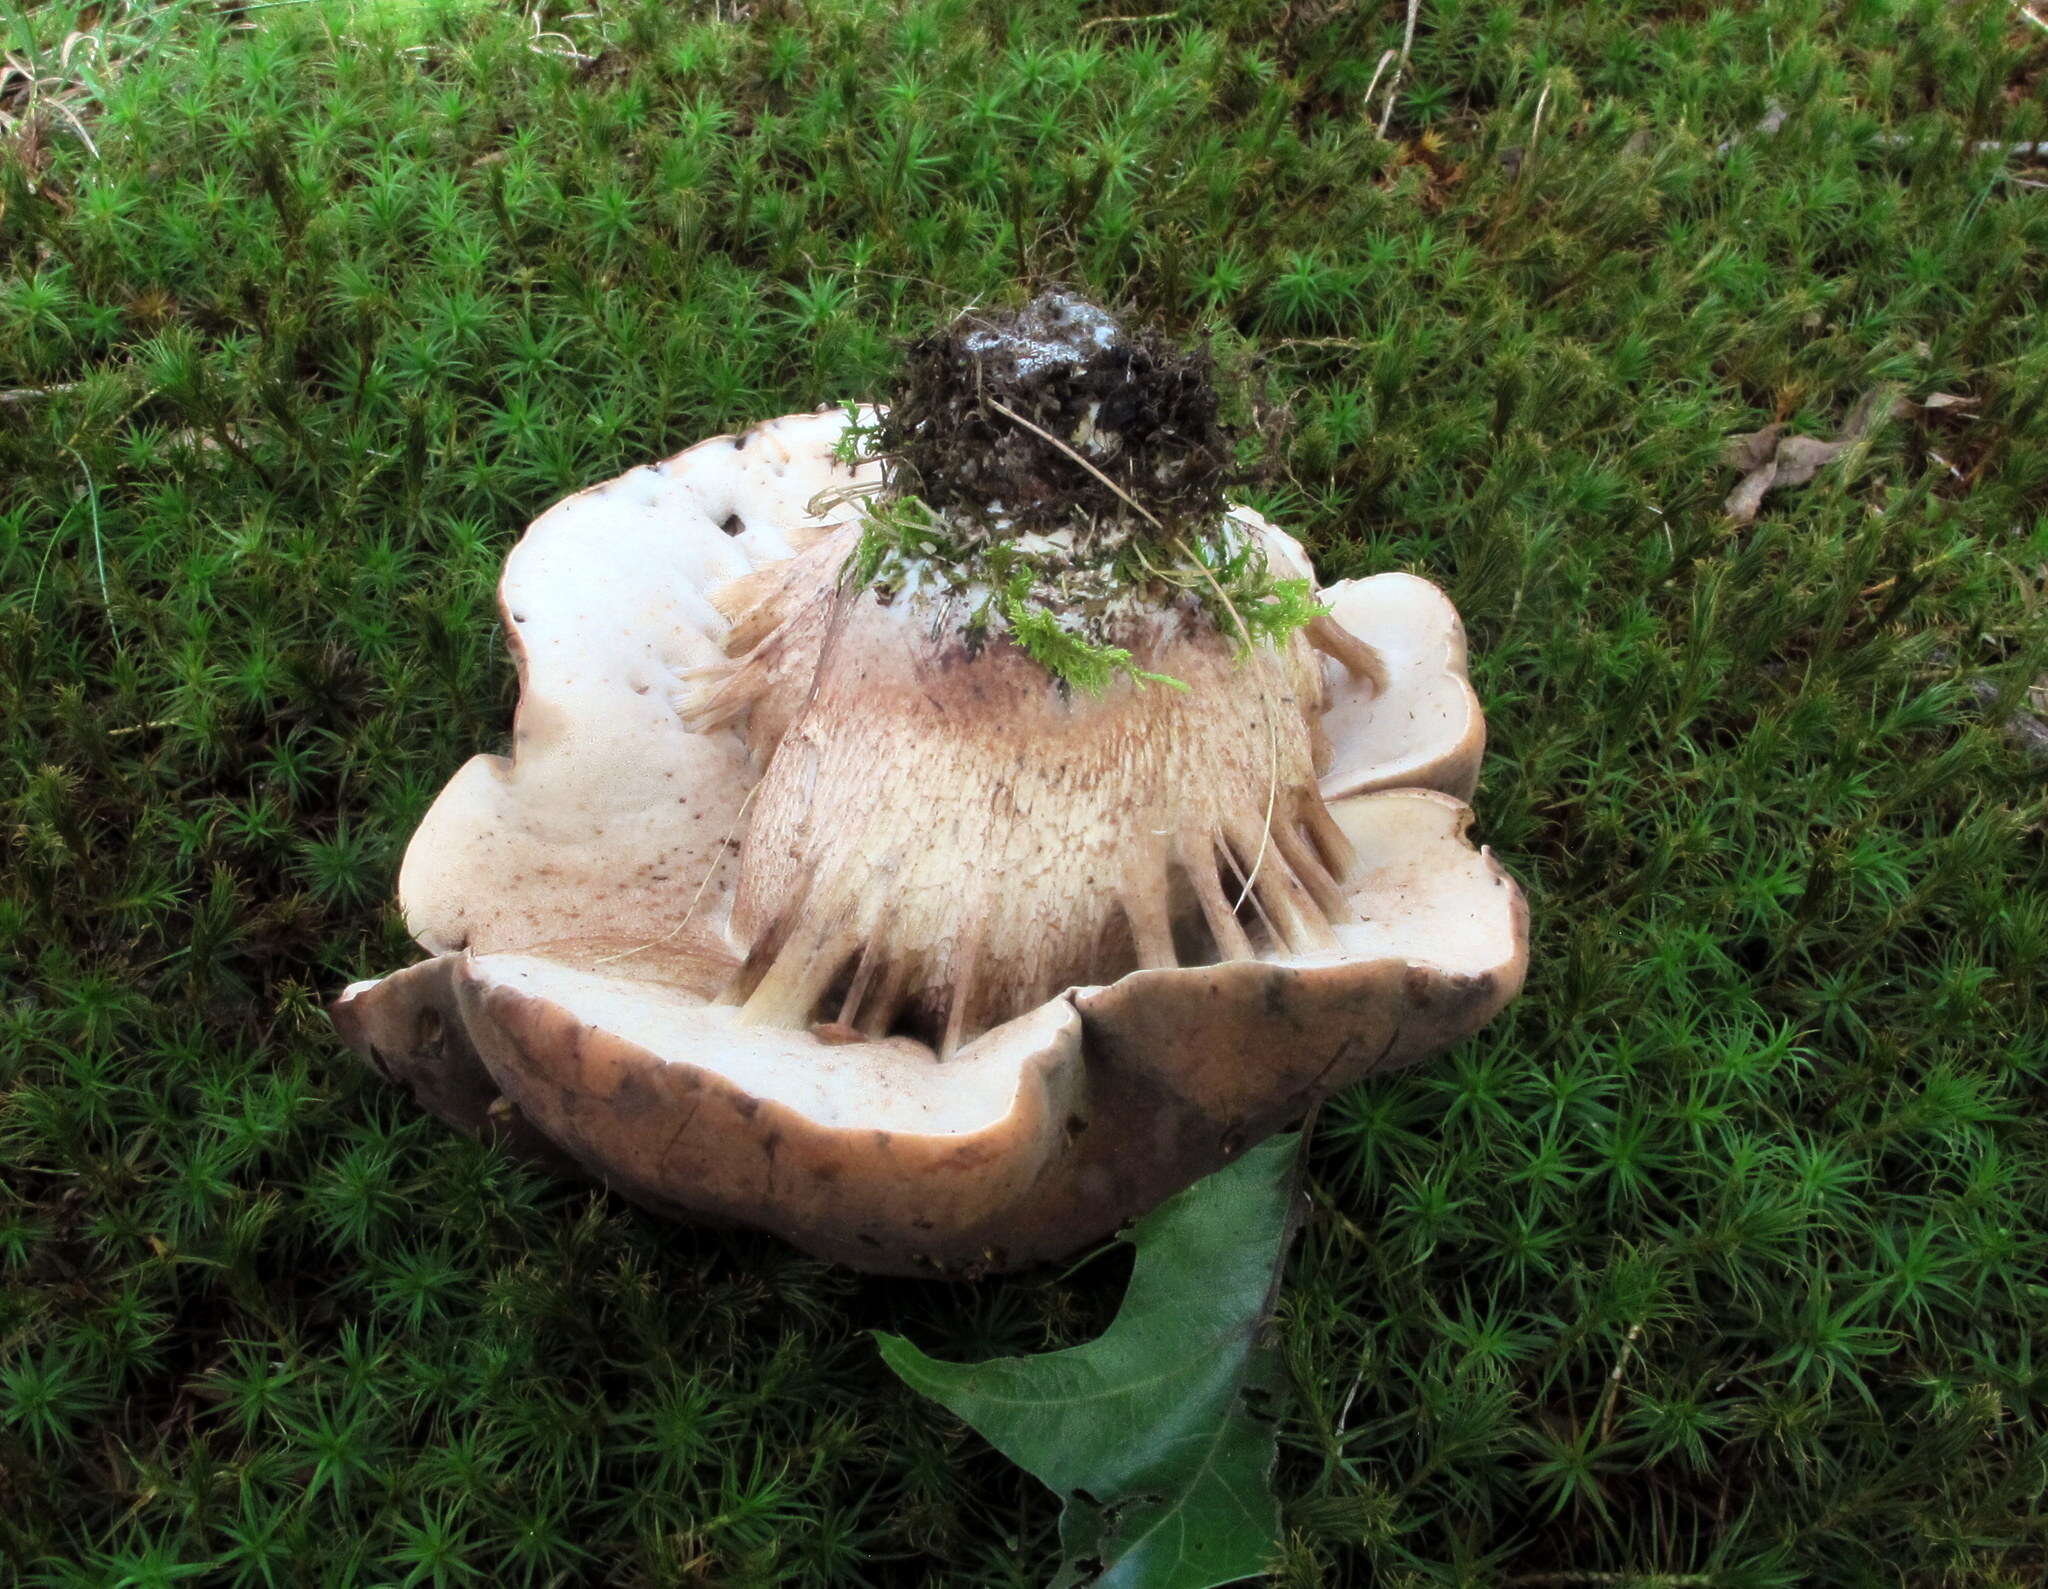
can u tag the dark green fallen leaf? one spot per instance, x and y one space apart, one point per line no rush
1158 1436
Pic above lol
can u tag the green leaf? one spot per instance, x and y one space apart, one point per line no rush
1159 1435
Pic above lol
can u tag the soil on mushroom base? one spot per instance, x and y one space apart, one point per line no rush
1143 413
1062 476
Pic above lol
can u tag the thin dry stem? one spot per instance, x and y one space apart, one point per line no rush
1045 435
1385 58
724 845
1400 66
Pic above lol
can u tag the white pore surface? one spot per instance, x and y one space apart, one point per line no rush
1381 740
1423 894
611 812
608 592
897 1085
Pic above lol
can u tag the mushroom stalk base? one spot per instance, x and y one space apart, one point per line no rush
944 837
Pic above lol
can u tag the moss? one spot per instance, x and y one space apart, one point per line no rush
1228 572
1716 1261
1077 662
1064 610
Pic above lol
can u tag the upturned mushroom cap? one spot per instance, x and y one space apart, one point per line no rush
1422 727
693 937
1042 1136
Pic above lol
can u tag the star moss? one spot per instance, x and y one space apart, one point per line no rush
1715 1263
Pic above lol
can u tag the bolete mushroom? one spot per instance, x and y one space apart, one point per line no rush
938 858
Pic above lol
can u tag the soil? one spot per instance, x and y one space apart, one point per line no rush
1140 411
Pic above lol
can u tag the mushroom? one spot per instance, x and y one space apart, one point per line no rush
940 857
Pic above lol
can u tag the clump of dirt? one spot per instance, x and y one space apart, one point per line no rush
1140 411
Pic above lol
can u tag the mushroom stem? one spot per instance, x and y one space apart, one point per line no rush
962 996
887 1003
717 695
913 732
1300 856
857 989
1359 659
1148 909
1224 927
1245 893
1299 925
798 977
1339 859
